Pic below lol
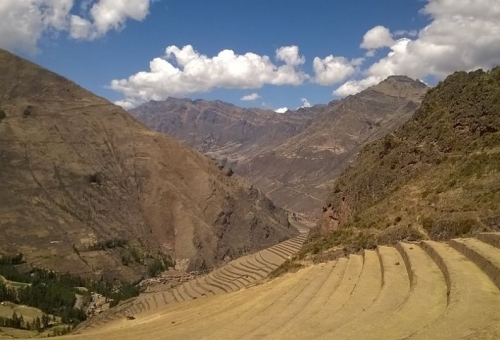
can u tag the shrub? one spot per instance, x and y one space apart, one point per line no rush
125 292
109 244
155 268
134 253
96 178
289 266
160 264
393 235
448 227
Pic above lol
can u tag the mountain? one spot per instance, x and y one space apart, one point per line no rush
85 186
299 173
222 130
435 177
293 157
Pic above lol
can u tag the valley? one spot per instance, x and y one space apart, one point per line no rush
293 157
111 230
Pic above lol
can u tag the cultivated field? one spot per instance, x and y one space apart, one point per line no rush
428 290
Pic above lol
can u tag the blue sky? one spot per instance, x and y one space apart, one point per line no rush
317 28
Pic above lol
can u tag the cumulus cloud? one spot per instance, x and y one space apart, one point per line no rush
356 86
183 71
401 33
290 55
332 70
462 35
250 97
24 22
305 103
106 15
281 110
376 38
124 104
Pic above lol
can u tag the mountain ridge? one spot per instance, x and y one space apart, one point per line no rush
293 157
76 170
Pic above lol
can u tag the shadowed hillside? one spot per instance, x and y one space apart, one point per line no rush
84 186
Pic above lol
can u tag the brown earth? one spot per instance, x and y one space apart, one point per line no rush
424 290
293 157
75 170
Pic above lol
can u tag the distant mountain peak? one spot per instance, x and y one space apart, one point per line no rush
401 78
398 86
176 100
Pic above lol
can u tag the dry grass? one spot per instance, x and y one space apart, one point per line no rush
437 177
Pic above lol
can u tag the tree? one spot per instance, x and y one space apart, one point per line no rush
45 320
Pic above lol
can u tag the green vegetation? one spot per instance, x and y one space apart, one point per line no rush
348 239
125 292
14 322
445 228
11 259
158 265
49 293
18 321
38 324
289 266
134 253
437 177
54 293
109 244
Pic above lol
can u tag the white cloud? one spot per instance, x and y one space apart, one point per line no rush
332 70
106 15
353 86
184 71
305 103
290 55
24 22
376 38
370 54
250 97
281 110
401 33
124 104
463 35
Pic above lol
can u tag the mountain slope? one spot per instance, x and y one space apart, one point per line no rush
292 157
298 174
76 170
221 130
437 176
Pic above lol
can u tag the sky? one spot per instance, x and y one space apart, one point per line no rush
273 54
